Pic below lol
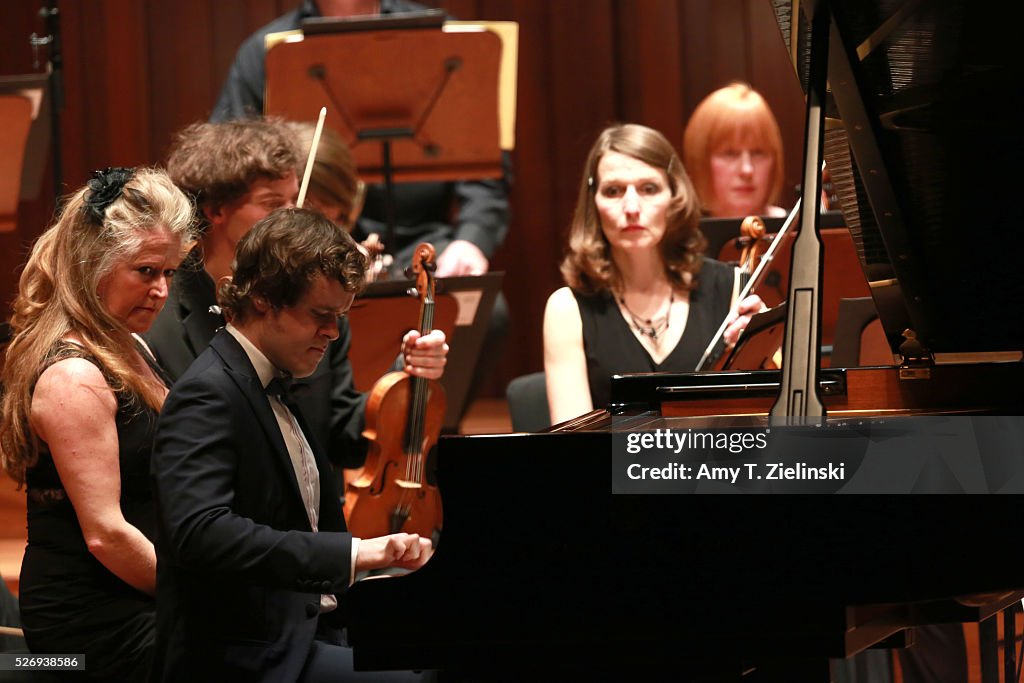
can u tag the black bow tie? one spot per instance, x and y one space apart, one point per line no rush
281 387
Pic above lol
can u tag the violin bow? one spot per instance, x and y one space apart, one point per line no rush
311 158
766 259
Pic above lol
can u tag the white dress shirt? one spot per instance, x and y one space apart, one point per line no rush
299 450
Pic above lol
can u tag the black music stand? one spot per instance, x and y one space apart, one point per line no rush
427 96
385 311
431 18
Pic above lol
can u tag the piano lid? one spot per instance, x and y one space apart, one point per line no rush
924 144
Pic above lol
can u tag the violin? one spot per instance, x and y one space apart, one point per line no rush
404 415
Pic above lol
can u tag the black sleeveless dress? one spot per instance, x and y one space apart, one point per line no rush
611 347
70 602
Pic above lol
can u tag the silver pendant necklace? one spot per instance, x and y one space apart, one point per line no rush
650 327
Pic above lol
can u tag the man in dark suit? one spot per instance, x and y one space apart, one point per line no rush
252 549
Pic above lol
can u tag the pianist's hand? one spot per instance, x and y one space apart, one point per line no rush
405 551
739 317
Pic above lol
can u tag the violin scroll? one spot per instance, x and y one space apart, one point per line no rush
754 230
423 267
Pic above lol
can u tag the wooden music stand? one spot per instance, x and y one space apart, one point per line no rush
429 97
384 312
22 146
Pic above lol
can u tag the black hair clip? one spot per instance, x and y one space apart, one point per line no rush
104 188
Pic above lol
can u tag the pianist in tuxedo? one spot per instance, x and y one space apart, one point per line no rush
252 549
732 147
640 295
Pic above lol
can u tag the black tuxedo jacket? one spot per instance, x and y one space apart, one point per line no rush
239 571
334 410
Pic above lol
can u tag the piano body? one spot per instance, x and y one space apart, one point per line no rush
541 562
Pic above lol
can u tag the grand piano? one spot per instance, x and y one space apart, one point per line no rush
548 568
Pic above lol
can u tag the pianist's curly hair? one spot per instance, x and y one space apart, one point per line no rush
101 225
588 266
281 256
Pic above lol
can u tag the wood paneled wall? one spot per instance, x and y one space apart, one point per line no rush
135 72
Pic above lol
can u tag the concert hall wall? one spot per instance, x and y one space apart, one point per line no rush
134 72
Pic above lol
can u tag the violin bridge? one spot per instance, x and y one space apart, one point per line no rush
406 484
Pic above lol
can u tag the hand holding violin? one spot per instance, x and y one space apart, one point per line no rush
739 317
425 356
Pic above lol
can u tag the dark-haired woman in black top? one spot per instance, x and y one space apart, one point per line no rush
640 297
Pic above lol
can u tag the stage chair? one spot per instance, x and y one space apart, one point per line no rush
528 403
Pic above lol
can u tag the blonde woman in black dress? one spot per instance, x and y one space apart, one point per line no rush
79 413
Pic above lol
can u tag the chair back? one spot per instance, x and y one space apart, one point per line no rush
528 403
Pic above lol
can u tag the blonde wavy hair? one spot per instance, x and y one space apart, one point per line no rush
58 296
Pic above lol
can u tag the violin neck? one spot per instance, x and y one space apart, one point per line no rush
426 316
415 420
418 388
